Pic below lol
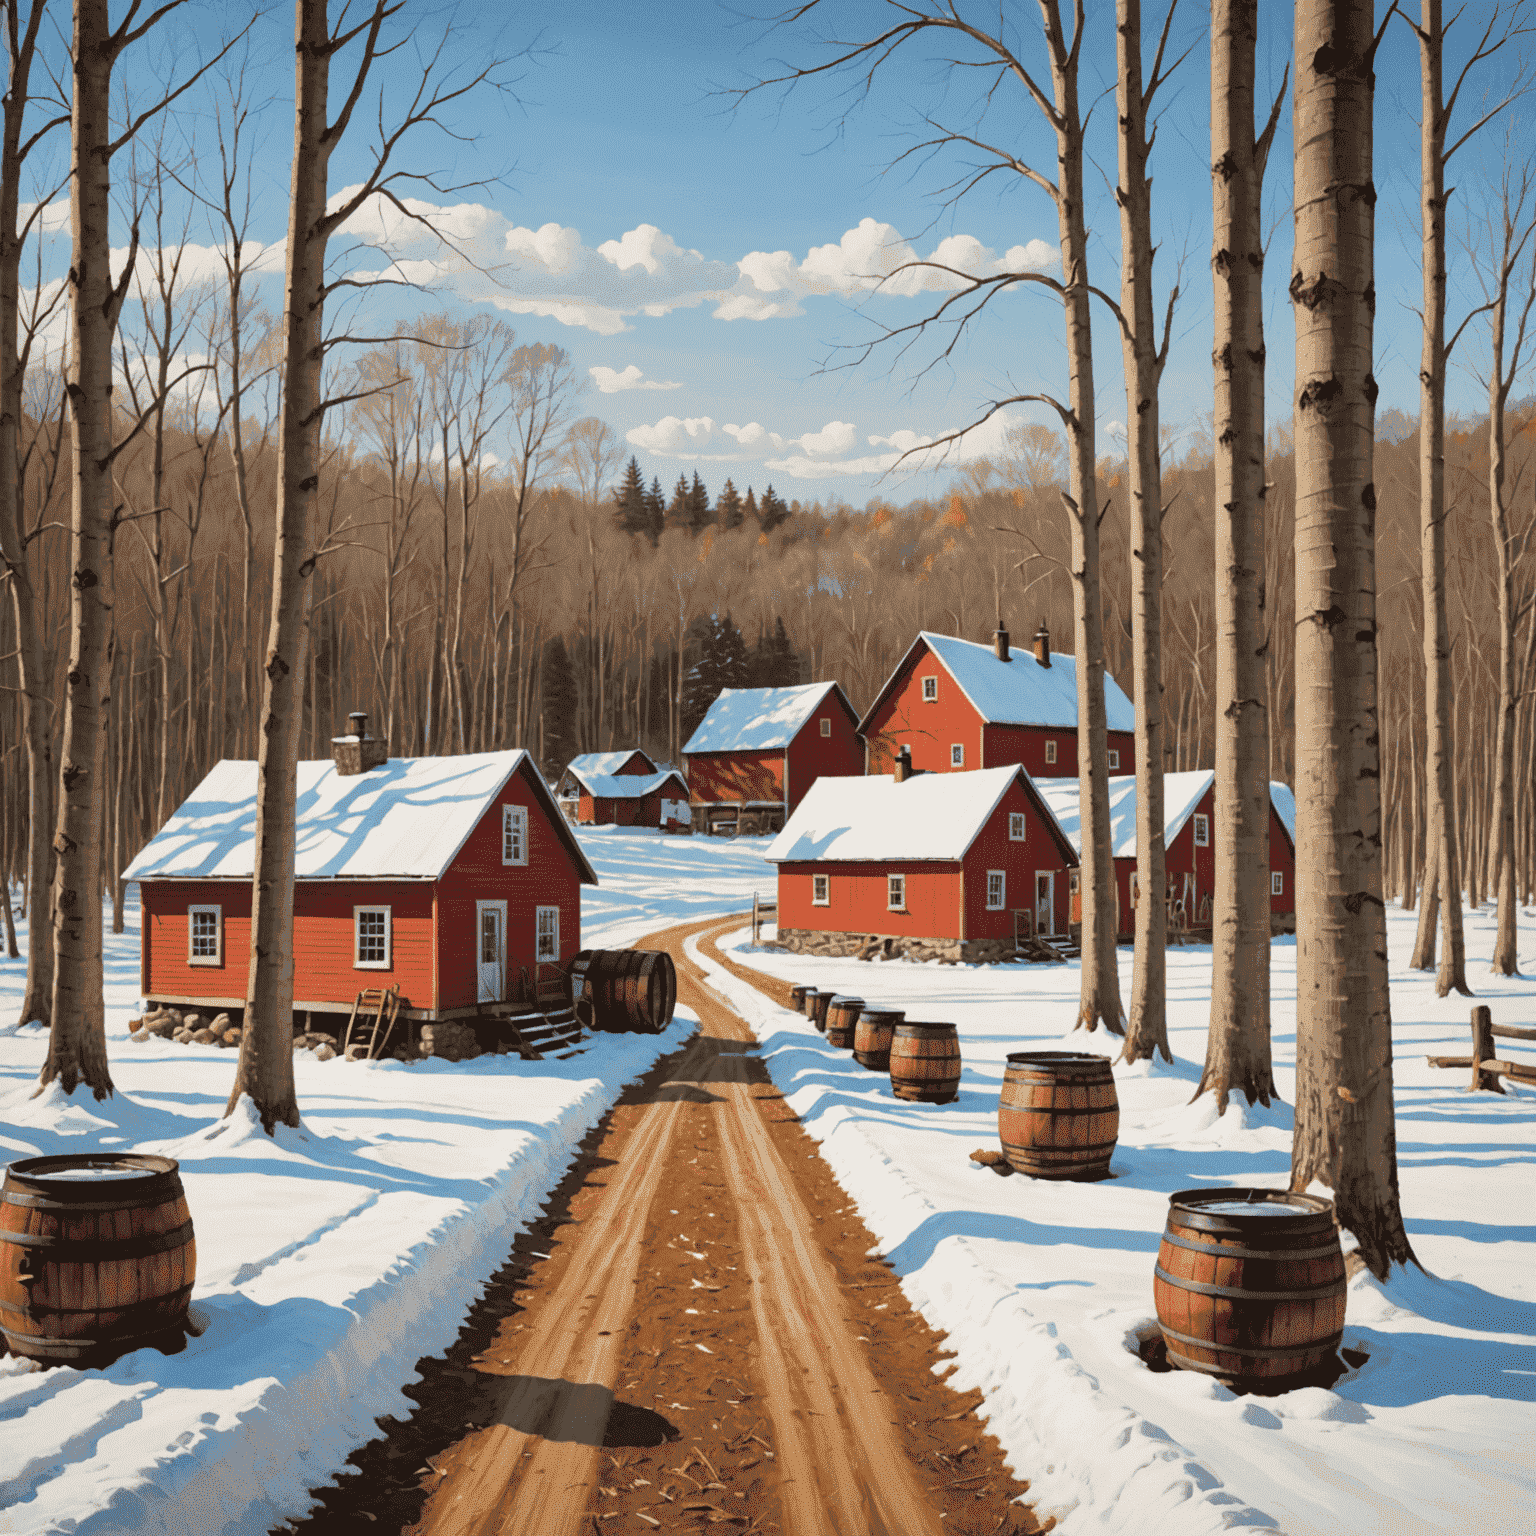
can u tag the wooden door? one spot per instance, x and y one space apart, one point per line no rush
491 951
1045 901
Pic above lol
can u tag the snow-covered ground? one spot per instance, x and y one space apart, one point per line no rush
329 1259
1042 1286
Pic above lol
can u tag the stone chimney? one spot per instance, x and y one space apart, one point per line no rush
1000 641
1042 645
358 752
903 766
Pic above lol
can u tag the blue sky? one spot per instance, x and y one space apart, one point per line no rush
713 257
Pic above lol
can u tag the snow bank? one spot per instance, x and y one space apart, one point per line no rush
1042 1288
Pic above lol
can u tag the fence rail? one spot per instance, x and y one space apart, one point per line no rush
1487 1069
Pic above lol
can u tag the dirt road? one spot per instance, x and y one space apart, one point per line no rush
693 1337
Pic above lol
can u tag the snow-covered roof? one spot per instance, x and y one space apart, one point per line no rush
607 762
625 786
757 719
928 816
1018 691
1284 802
405 820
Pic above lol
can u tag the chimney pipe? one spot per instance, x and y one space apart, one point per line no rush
358 752
1000 641
903 766
1042 645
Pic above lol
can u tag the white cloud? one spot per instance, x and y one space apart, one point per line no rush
985 441
549 271
611 382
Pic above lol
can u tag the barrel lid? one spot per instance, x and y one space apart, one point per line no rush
82 1175
1054 1058
915 1024
845 998
1243 1210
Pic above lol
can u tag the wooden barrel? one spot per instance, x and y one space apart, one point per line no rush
818 1005
842 1018
1249 1284
96 1256
925 1062
1058 1114
628 989
808 1002
872 1037
797 997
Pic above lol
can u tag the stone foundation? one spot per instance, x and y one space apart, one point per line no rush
866 946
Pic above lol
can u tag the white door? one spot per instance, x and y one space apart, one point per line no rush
491 950
1045 901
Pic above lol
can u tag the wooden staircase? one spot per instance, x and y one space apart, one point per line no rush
374 1011
544 1022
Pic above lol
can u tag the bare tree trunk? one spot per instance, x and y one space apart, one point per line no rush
1143 363
1237 1052
1345 1136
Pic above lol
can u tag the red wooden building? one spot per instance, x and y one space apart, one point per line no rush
954 866
623 789
452 878
957 705
1189 822
758 750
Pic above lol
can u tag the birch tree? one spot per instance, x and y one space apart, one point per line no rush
1237 1051
1345 1137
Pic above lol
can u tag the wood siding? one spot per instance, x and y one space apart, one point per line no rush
813 756
716 778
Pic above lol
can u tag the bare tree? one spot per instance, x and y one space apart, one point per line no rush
1237 1051
1345 1134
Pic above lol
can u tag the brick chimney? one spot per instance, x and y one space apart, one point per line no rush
1042 645
358 752
1000 641
903 766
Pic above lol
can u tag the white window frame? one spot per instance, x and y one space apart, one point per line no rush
826 725
1277 882
1114 757
539 914
822 884
1202 831
895 893
1016 827
1050 751
217 958
957 755
930 690
1074 883
1000 901
387 963
514 825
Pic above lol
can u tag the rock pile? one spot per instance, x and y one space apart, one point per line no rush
453 1042
186 1028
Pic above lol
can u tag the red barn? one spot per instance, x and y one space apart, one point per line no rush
452 878
948 866
956 705
1189 819
758 750
623 789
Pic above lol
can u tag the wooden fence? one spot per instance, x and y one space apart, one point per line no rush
1487 1069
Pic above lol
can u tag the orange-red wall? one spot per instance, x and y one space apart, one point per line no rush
718 776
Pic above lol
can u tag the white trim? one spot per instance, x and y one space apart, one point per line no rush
1016 820
826 725
895 893
217 958
930 688
957 755
1050 751
1049 876
514 828
387 963
1001 876
1277 882
484 994
1202 830
1114 759
539 913
824 883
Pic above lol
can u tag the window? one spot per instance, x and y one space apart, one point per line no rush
930 689
1277 884
205 936
1050 751
370 938
997 890
821 890
547 930
826 727
514 834
1016 826
1135 888
1202 831
957 756
1114 757
1075 878
896 893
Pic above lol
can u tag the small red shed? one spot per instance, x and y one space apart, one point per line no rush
956 705
758 750
1189 820
623 789
452 878
949 866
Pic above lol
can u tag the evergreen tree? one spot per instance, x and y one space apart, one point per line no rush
559 708
629 499
749 509
699 514
722 662
774 662
772 511
655 511
728 509
677 508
